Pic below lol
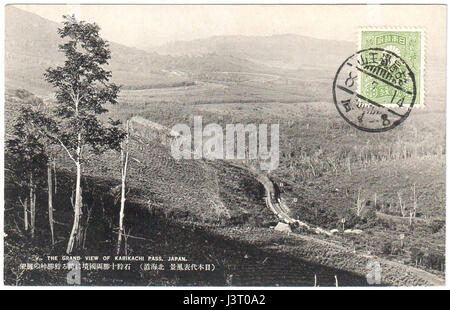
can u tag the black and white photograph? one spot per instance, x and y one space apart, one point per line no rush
225 145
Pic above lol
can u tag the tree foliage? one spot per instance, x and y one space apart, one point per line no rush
27 148
82 90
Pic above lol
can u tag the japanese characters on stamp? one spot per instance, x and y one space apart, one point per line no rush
407 44
375 89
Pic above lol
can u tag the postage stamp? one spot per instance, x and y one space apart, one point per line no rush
196 145
375 89
387 98
407 44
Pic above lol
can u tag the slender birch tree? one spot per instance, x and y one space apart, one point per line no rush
124 153
50 200
82 90
26 158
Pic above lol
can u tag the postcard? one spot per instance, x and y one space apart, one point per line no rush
224 145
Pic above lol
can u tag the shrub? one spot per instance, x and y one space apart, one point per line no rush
369 212
436 225
319 215
391 248
386 248
428 258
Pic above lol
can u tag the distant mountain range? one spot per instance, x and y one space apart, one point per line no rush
31 46
286 51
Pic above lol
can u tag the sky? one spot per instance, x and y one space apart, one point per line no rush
146 26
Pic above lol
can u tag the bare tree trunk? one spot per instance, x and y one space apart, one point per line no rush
32 207
50 200
54 175
359 203
77 212
25 214
125 237
124 164
89 212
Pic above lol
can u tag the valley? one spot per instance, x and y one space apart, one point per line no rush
330 175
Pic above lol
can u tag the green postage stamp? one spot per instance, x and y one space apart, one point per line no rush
376 88
407 45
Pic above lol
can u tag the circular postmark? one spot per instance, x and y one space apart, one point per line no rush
374 90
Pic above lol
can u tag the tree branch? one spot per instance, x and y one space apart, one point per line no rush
68 153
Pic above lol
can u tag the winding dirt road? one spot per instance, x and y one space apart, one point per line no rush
331 253
397 271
